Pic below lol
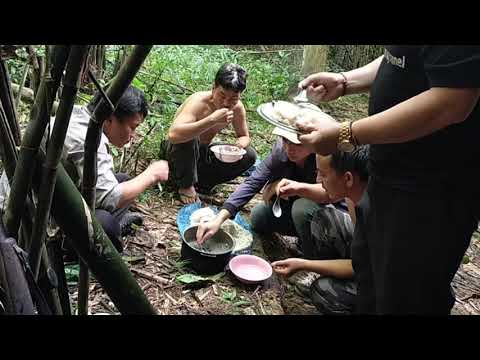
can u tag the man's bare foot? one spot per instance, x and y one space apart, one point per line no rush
188 195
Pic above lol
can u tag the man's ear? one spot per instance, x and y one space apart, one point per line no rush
349 179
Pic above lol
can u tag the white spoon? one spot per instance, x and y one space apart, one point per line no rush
276 208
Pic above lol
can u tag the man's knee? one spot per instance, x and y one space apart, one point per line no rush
302 211
251 156
333 296
111 227
259 218
122 177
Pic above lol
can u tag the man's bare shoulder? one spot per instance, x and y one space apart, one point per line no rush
201 98
197 102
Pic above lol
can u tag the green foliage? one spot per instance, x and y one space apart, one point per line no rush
172 72
192 278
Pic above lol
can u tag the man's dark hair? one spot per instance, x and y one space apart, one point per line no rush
355 162
231 77
132 101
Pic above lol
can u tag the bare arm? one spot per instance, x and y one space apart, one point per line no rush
314 192
186 126
327 86
414 118
360 80
338 268
156 172
240 126
419 116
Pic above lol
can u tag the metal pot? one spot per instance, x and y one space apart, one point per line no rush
212 256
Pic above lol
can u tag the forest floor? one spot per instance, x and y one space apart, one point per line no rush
153 256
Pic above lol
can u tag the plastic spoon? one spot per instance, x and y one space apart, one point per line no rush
276 208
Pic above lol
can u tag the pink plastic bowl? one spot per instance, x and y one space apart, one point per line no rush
250 269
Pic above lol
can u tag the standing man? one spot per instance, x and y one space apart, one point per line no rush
421 199
197 121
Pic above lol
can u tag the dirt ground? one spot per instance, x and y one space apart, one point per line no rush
153 256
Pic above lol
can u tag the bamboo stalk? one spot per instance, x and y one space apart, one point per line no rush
76 59
7 145
56 257
92 140
72 215
6 97
22 84
40 116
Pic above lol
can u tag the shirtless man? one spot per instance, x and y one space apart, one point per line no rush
193 166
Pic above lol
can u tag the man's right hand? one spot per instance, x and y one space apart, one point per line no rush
158 170
323 86
269 191
288 267
222 116
206 230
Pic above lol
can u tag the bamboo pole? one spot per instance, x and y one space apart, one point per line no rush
76 59
74 218
92 140
6 97
40 116
7 145
22 84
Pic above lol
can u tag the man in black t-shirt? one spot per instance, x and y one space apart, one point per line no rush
416 219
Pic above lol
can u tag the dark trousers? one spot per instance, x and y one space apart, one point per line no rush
295 221
193 163
111 221
408 246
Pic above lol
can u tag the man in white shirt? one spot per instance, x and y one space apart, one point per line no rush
114 192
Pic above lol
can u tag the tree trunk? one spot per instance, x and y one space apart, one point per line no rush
314 59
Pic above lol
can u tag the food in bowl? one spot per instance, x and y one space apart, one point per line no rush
228 153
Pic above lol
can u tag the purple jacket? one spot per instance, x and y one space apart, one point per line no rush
276 166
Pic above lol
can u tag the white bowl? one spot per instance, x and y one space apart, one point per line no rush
228 153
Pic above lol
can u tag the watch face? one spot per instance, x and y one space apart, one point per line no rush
345 146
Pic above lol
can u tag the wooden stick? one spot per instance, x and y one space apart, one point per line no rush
150 276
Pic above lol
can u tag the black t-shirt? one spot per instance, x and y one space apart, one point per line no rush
443 156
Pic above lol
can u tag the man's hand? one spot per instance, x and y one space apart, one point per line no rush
158 170
222 116
288 267
323 86
320 130
269 191
287 188
206 230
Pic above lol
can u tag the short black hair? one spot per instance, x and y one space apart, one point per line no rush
355 162
132 101
231 77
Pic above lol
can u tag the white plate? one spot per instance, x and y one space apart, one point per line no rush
267 113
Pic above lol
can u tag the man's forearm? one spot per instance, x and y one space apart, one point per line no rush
243 141
314 192
134 187
360 80
416 117
339 268
182 133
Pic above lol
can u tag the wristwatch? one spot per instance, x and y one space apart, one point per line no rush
346 141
